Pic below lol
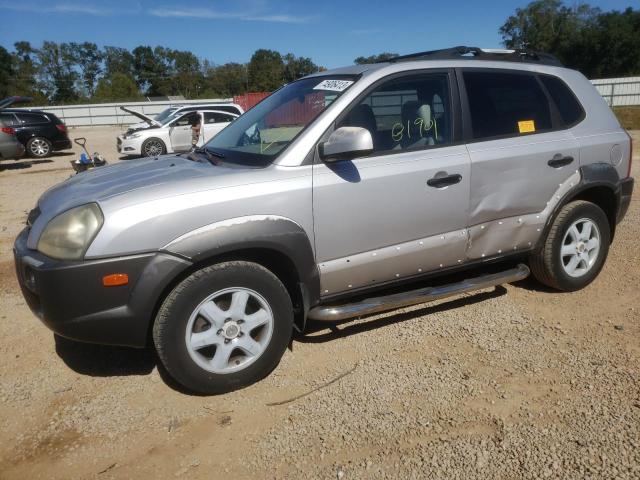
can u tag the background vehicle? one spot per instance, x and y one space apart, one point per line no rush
173 111
10 146
40 132
337 196
174 135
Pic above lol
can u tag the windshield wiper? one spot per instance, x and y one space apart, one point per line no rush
206 153
212 152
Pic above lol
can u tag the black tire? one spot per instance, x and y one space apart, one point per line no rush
39 147
546 265
153 141
170 326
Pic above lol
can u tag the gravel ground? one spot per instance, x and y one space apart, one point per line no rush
513 382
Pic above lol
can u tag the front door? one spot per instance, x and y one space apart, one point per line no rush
180 131
401 211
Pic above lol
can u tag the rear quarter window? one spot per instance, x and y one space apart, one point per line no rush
568 105
32 118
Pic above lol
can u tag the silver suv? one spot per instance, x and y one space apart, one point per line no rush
338 196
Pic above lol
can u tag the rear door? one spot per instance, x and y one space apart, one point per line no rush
521 155
214 122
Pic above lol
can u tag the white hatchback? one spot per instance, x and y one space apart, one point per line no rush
173 136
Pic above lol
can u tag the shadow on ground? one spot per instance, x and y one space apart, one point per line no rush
105 360
348 328
20 164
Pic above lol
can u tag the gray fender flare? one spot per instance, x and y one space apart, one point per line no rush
592 175
270 232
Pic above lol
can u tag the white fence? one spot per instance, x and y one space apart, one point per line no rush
619 91
616 91
110 113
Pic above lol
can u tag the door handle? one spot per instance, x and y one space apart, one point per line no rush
444 180
559 161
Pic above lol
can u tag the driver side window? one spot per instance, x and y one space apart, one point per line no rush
405 113
184 120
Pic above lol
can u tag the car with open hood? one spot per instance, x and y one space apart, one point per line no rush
343 194
173 134
174 110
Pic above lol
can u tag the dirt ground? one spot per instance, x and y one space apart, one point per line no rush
513 382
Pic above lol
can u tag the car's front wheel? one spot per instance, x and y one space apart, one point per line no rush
39 147
152 147
575 249
224 327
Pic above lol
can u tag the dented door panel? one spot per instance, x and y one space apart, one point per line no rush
511 177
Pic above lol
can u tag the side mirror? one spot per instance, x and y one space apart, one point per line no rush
346 143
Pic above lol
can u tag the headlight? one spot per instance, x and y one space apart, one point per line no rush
68 236
133 135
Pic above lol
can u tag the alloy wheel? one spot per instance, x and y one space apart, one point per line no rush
580 247
229 330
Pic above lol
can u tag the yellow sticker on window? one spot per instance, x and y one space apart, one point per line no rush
526 126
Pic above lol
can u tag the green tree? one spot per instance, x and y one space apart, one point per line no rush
57 73
225 80
297 67
6 72
117 87
265 71
88 58
118 60
582 37
24 80
148 70
381 57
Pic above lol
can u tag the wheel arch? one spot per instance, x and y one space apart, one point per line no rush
276 243
600 185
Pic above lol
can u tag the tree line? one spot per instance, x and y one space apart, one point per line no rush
62 73
599 44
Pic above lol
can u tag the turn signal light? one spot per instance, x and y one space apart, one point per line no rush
115 279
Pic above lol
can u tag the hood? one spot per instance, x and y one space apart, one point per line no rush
142 116
149 177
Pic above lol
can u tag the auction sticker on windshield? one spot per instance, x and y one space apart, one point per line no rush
333 85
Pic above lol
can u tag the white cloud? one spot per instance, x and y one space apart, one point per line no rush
189 12
84 8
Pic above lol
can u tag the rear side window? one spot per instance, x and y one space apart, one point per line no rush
8 119
215 117
568 106
506 104
32 118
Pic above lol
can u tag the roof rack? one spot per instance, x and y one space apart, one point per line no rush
475 53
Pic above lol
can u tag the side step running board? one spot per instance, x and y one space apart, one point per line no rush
414 297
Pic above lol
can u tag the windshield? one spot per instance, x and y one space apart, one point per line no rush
163 115
259 135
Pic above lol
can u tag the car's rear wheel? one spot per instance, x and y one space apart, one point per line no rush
224 327
152 147
575 249
39 147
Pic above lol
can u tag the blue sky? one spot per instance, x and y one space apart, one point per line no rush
331 32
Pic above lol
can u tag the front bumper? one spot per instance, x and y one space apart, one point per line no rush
69 298
128 146
626 191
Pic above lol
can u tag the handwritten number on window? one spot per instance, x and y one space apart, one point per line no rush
400 129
